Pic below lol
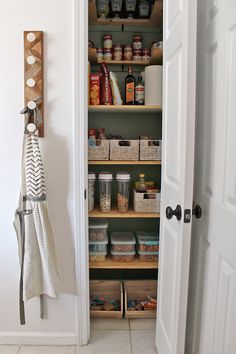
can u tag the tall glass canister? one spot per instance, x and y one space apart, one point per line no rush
105 179
123 179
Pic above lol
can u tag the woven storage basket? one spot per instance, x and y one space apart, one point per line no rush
119 152
100 151
147 203
149 151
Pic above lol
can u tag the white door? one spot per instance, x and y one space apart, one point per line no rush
177 172
216 174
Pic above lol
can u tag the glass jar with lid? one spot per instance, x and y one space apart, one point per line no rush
102 8
105 180
91 191
123 179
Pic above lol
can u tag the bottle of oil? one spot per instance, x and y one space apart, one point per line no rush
130 88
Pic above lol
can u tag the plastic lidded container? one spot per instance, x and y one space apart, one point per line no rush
123 256
148 242
91 182
105 179
97 256
98 246
122 242
98 230
148 256
123 179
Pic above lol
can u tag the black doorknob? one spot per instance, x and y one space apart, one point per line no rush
177 212
197 211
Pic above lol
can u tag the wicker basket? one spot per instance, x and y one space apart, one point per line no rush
100 151
147 202
150 149
120 152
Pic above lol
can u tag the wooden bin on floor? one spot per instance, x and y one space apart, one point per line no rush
139 290
110 289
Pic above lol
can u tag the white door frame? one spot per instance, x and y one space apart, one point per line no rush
80 89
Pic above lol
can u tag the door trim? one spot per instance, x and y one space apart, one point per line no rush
80 122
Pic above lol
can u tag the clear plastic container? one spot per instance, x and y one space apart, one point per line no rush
148 242
98 230
148 256
123 256
97 256
91 183
123 179
98 246
122 242
105 179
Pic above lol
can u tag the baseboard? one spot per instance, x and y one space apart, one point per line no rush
38 338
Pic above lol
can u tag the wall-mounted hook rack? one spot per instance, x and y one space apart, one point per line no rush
33 64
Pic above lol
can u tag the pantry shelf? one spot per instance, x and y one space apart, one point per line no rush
156 58
114 213
124 162
110 264
154 20
124 108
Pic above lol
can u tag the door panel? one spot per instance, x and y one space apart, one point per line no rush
179 41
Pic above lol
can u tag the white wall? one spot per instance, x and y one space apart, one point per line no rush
55 17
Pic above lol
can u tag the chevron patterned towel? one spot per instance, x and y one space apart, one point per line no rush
40 274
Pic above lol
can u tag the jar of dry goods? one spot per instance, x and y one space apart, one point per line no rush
105 179
137 41
107 54
128 52
123 179
137 55
99 54
107 41
117 52
91 182
146 55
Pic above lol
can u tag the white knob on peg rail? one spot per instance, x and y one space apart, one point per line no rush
31 60
31 127
31 105
31 82
31 37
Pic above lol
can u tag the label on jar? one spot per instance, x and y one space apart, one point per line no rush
139 94
130 92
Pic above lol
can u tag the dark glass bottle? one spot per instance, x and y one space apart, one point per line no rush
130 88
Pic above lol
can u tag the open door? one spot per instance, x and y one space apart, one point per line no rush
179 72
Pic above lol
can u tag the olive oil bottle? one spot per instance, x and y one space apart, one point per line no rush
130 88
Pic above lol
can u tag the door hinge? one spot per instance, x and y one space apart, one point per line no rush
85 194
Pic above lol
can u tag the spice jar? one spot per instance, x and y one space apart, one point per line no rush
99 54
91 182
123 179
146 55
107 54
117 52
105 179
137 41
107 41
128 52
137 55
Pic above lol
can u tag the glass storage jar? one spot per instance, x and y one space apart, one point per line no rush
91 183
123 179
105 179
103 8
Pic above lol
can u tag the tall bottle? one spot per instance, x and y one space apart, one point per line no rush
139 92
130 88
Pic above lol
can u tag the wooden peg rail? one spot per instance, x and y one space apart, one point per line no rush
33 64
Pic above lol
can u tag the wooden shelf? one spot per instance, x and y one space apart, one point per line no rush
158 162
110 264
114 213
124 108
156 58
154 20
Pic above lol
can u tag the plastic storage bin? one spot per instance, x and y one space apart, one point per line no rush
123 256
148 256
98 246
122 242
97 256
98 230
148 242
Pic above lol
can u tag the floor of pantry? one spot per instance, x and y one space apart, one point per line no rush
136 336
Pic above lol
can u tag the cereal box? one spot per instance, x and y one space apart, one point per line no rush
94 89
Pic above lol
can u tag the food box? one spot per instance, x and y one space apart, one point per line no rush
122 241
94 89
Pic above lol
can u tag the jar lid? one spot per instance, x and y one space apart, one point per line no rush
123 176
106 176
122 238
91 176
98 224
142 175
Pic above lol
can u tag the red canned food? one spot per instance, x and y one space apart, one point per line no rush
137 41
128 52
107 54
92 133
107 41
137 54
146 54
